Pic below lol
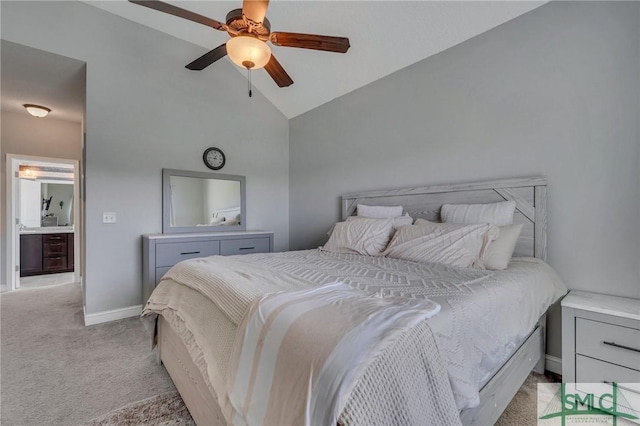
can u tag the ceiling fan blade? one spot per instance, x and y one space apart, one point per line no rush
208 58
311 41
278 73
255 9
181 13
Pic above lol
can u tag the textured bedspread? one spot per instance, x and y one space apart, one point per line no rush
299 354
484 315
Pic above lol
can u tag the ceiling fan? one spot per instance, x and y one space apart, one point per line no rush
250 30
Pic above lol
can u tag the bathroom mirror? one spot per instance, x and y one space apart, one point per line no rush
202 202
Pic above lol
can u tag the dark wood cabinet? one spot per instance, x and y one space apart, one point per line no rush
46 254
30 255
70 253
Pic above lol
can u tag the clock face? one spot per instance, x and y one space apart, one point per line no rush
214 158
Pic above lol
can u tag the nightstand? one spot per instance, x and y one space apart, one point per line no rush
600 338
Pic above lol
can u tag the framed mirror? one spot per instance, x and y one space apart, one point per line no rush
202 202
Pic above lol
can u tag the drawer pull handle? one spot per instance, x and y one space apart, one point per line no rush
247 248
184 253
622 387
54 258
629 348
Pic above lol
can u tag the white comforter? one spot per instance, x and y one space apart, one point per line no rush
484 316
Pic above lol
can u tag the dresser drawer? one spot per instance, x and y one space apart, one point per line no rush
54 238
244 246
609 342
57 263
160 273
168 254
52 249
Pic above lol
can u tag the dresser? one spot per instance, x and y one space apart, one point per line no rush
600 338
161 251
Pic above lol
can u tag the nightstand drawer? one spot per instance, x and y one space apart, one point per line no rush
168 254
609 342
589 370
594 371
244 246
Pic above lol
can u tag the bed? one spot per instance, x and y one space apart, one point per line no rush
195 356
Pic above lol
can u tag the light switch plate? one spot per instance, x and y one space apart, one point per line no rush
108 217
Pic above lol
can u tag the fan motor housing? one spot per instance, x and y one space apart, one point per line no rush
237 22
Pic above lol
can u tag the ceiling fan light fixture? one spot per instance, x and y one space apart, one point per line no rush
37 110
248 52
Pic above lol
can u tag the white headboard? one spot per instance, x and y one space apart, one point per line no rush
530 195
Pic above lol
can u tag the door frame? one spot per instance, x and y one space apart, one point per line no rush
13 206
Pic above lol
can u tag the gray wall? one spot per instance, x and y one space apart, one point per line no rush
553 92
145 111
26 135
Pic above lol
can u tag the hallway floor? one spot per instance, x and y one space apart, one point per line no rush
47 280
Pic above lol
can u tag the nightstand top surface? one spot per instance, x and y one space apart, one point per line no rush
611 305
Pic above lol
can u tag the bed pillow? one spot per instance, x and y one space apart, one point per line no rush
378 211
498 254
364 236
396 222
500 214
452 244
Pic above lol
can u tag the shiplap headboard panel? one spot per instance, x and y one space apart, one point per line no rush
530 195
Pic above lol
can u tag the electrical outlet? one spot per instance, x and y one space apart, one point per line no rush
108 217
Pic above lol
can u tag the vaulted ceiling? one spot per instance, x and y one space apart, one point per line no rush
385 36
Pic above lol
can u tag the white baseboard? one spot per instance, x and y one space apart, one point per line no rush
116 314
553 364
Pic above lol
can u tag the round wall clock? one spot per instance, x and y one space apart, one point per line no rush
214 158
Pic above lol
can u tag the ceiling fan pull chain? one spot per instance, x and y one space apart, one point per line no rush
249 80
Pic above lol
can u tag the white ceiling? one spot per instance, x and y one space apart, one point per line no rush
385 36
32 76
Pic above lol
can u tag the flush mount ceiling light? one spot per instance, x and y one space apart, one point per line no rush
37 110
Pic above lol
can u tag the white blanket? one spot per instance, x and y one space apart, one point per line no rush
299 354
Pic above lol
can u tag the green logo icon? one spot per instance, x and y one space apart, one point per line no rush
597 399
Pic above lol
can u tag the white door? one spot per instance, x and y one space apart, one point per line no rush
30 203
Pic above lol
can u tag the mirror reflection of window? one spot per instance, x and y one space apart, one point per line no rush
204 202
222 202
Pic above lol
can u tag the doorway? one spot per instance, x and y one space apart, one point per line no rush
43 228
46 137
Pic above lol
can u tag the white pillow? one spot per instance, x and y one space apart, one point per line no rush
396 222
379 211
364 236
500 214
457 245
498 254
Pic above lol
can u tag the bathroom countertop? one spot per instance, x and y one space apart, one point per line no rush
48 230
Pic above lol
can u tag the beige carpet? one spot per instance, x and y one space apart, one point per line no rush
522 410
160 410
56 371
169 409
